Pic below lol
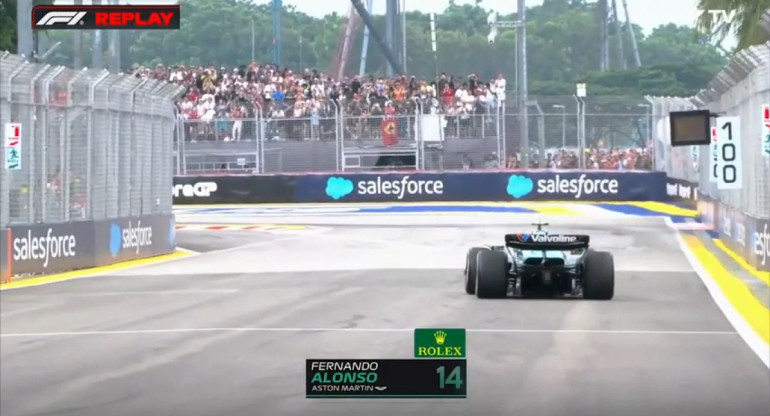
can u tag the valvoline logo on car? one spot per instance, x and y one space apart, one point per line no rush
543 238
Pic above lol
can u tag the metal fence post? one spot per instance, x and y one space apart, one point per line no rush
78 130
337 144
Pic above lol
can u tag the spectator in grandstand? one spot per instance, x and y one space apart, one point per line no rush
303 105
498 86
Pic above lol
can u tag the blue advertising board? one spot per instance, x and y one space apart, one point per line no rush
482 186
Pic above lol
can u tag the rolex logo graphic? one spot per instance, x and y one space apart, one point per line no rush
439 343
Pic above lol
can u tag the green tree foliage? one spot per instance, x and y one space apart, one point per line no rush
8 31
562 44
745 22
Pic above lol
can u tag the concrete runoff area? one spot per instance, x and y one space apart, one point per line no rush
228 331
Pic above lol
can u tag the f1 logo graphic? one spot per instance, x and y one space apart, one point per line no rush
70 18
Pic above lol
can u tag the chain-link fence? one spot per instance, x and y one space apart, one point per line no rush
439 135
93 146
742 89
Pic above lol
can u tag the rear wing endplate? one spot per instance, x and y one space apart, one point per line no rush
554 242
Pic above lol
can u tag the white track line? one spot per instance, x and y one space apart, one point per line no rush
141 293
360 330
187 250
751 338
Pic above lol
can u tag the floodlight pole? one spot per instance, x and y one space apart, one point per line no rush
521 71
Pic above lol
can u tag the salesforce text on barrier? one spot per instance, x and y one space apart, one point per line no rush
43 247
396 187
136 237
578 186
761 244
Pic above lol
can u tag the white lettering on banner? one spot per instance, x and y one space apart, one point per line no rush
47 247
685 192
578 187
541 238
714 157
402 187
740 233
672 189
136 237
70 18
721 16
199 189
729 162
762 244
727 224
765 139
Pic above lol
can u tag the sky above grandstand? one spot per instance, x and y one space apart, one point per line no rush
646 13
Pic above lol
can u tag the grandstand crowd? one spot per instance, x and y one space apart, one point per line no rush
302 106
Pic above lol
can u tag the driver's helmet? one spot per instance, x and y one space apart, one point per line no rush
540 232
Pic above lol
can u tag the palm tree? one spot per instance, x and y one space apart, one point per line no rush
746 22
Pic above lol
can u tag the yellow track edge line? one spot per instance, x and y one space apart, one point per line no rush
24 282
553 210
662 207
762 276
746 313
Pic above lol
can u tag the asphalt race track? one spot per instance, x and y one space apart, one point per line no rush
227 332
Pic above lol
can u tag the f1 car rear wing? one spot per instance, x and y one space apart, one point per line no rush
556 242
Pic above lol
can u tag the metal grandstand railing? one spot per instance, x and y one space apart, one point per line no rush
446 135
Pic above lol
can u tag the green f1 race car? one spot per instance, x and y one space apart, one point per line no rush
540 264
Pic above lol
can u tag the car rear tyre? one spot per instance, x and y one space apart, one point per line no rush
470 269
599 276
491 274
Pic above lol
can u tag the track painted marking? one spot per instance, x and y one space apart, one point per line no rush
552 209
94 272
661 207
141 293
360 330
745 312
744 301
272 228
762 276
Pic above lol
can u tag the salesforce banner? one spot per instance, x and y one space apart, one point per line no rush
5 255
131 238
51 248
483 186
759 244
41 249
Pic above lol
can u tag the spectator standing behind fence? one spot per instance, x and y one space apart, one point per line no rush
498 87
302 106
237 116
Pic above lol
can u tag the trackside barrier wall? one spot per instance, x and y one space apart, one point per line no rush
94 148
53 248
423 187
741 217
